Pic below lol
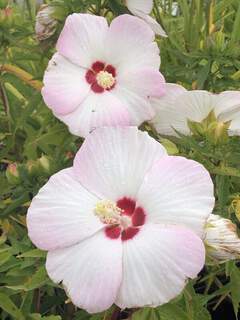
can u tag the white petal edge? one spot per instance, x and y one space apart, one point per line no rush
157 263
91 271
62 213
112 162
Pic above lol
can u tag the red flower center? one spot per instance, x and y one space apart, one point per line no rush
135 216
101 77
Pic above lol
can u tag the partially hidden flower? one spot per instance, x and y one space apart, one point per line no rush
123 225
221 240
103 75
142 9
45 25
179 107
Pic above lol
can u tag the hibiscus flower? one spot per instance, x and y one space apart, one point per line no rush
103 75
179 106
124 224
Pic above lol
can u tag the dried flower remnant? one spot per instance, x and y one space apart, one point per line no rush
221 240
45 25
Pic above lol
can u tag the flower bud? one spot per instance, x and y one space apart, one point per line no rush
171 148
221 240
6 16
32 168
3 4
44 163
236 207
12 174
46 24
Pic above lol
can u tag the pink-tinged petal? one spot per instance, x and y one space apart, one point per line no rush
183 106
97 110
177 191
131 44
139 108
147 83
112 162
91 271
144 6
157 263
227 105
82 39
62 213
65 85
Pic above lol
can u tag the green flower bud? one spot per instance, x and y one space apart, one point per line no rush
12 174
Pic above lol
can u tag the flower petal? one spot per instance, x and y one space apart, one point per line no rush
131 44
155 26
82 39
139 107
112 162
146 82
227 105
65 86
97 110
142 5
234 129
184 106
62 213
177 191
90 271
157 263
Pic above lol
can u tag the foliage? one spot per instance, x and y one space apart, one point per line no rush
202 51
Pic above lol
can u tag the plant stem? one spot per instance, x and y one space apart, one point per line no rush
115 314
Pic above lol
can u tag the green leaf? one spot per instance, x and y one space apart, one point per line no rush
7 305
146 314
235 285
34 253
37 280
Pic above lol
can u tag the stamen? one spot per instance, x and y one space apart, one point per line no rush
105 79
108 212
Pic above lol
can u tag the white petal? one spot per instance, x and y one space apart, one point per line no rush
97 110
139 107
130 43
112 162
177 191
143 5
227 105
157 263
155 26
65 86
190 105
146 82
62 213
234 129
90 271
82 39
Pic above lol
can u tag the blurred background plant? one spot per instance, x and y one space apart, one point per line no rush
202 51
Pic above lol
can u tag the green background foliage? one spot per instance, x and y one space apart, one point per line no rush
202 51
